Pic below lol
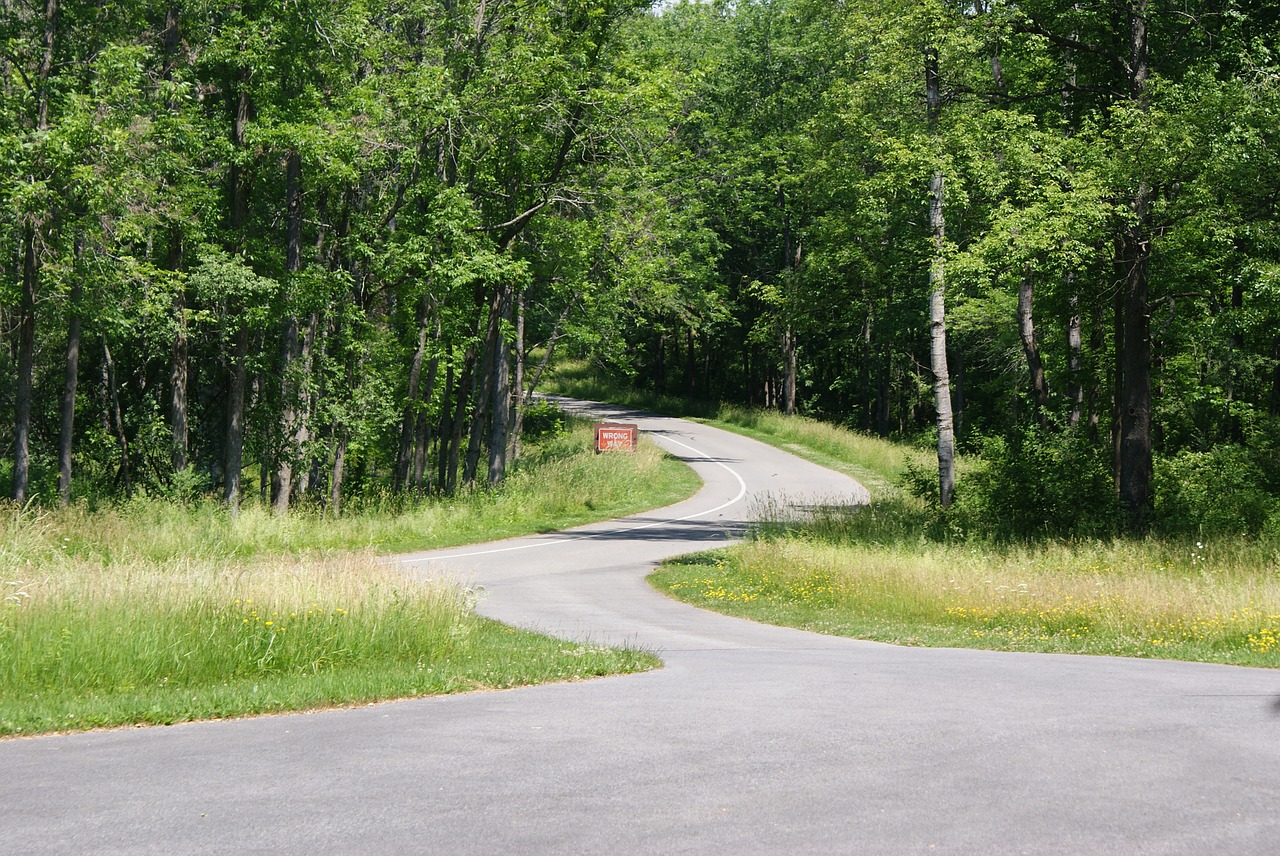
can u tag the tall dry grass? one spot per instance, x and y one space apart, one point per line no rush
1213 602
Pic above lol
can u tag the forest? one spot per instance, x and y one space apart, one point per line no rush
309 249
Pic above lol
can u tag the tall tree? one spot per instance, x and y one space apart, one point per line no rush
937 294
40 83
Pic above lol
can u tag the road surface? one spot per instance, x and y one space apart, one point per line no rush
752 739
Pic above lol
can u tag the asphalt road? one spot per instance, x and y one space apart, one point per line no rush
753 739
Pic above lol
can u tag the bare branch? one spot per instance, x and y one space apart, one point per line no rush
516 222
1034 28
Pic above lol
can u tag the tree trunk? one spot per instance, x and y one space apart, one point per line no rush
444 446
1031 347
937 302
171 39
690 365
500 388
1235 342
1133 352
240 348
6 78
117 417
235 418
302 431
1075 343
178 372
291 349
660 365
706 371
1097 345
310 477
418 482
1274 410
1117 373
1135 450
26 367
71 379
884 392
282 478
789 371
514 445
463 393
791 261
483 380
409 418
46 64
556 332
30 274
340 437
867 404
422 440
938 360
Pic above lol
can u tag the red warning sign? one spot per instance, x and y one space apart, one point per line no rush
616 437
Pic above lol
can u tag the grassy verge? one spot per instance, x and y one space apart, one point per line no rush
888 573
1123 599
92 647
151 613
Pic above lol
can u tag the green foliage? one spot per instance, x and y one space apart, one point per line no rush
691 196
1209 494
185 486
542 419
1040 482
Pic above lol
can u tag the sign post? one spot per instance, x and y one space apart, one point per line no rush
616 437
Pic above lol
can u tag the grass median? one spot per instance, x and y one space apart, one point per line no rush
1112 599
156 613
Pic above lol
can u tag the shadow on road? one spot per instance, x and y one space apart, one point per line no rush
695 459
697 531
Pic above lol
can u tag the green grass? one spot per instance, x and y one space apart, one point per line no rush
1123 599
895 572
204 640
155 613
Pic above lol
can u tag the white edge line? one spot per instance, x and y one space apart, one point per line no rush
742 491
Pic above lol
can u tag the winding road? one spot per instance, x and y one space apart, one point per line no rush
753 739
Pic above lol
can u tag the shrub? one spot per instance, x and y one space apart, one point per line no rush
542 419
1040 482
1218 492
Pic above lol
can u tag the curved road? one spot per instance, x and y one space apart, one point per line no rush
753 739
